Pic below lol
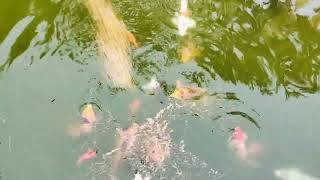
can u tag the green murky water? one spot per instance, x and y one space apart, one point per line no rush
267 57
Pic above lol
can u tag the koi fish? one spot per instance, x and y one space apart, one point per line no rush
126 140
183 92
132 39
237 142
87 156
188 52
88 114
152 87
155 153
89 118
292 174
134 107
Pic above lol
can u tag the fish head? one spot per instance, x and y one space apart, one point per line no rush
239 135
88 113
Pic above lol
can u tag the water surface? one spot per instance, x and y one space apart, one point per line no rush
267 56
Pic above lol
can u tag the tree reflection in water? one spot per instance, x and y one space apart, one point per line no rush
240 41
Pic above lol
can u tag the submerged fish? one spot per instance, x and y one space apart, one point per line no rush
148 143
152 87
128 137
155 153
89 119
183 92
132 39
88 114
87 156
188 52
155 142
293 174
134 107
125 142
237 142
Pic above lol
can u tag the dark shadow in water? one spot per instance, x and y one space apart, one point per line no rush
246 116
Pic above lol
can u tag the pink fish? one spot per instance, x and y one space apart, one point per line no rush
156 154
239 135
134 107
87 156
245 153
128 137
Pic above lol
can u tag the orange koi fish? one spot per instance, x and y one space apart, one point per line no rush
183 92
132 39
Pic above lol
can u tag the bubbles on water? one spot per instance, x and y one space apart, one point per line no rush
155 154
150 149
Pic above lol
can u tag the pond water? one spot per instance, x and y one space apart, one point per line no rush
258 60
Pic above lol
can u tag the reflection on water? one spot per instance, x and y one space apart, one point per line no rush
264 49
31 32
242 43
112 37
